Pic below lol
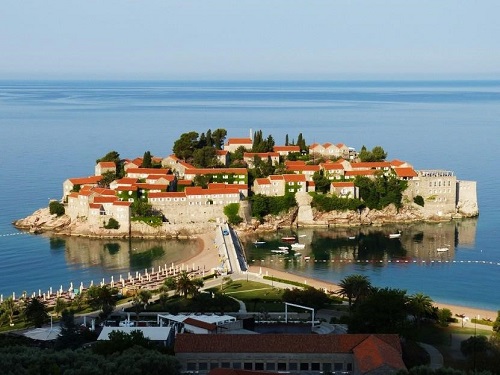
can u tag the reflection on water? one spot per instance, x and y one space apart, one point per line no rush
117 254
423 242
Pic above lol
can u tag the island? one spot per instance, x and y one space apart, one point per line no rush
253 184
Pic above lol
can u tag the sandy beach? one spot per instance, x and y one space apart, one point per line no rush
208 257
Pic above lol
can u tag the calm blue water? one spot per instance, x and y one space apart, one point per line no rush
55 130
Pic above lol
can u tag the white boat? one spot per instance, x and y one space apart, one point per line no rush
395 235
297 254
297 245
279 251
351 237
288 238
283 248
303 235
307 258
442 249
257 243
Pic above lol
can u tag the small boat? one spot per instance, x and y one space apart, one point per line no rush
288 238
442 249
297 245
283 248
303 235
297 254
279 251
307 258
351 237
257 243
395 235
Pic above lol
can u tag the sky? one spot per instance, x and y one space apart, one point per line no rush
249 39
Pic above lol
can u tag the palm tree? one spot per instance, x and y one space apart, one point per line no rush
60 306
354 288
141 298
419 305
35 312
8 308
187 286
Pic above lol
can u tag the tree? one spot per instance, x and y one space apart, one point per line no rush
420 305
444 316
147 160
184 147
419 200
101 298
496 324
121 341
321 182
56 208
140 208
69 337
376 154
112 224
107 178
383 311
474 345
231 211
205 157
355 287
111 156
35 312
218 137
140 300
310 297
185 286
8 309
60 306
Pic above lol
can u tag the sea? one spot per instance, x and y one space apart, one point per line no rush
53 130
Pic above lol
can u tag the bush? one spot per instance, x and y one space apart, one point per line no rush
419 200
112 224
56 207
263 205
231 211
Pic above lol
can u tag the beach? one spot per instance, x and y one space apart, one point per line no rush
208 258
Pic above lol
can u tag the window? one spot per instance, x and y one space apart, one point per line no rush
304 366
225 177
281 366
236 365
270 366
202 366
247 366
315 366
191 366
338 366
327 367
292 366
349 367
214 365
259 366
225 365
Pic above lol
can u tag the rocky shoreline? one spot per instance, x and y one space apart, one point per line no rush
41 221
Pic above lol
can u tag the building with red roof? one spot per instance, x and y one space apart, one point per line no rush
234 143
356 354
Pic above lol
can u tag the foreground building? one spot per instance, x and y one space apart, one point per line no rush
358 354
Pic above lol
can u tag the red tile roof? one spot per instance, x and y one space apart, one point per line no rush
85 180
276 177
343 184
263 181
294 177
295 162
361 172
374 353
126 181
200 324
146 186
127 188
122 203
184 182
287 148
221 152
405 172
270 343
239 141
105 199
107 164
332 166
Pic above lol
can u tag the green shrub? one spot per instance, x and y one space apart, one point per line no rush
419 200
112 224
263 205
231 211
56 207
